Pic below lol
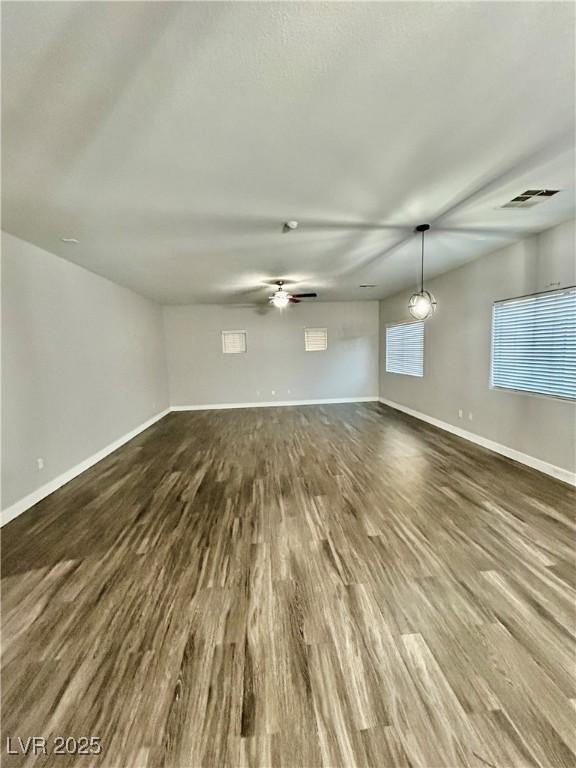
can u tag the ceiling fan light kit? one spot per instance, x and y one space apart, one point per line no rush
281 297
422 304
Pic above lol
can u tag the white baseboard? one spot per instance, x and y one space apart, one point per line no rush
542 466
45 490
273 403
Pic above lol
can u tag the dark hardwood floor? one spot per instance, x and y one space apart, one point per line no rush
315 586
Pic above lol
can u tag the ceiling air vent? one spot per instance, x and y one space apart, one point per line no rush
529 198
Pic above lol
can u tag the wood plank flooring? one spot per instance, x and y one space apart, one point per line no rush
315 586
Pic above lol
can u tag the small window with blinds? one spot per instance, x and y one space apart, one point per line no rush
405 348
315 339
233 342
534 344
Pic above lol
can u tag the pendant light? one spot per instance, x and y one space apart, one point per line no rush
422 304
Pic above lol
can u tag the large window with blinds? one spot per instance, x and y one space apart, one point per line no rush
534 344
405 348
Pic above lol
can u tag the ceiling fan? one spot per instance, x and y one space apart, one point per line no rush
281 297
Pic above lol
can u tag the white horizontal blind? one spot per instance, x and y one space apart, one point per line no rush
534 343
405 348
233 342
315 339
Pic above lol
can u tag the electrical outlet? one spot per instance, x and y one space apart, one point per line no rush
469 415
460 413
40 463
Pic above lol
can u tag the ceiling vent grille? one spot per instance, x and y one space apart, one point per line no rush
530 198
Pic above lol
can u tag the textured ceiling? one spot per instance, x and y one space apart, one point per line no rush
172 139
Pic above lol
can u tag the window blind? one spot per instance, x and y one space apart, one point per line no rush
405 348
233 342
315 339
534 343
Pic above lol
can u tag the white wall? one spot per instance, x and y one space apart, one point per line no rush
457 349
82 364
84 360
276 362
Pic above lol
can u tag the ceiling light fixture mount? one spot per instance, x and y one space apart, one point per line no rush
422 304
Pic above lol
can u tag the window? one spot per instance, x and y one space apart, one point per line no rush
405 348
315 339
534 343
233 342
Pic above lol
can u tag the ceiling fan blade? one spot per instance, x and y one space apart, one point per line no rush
292 300
305 295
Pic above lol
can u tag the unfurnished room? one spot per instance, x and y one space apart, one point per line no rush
288 371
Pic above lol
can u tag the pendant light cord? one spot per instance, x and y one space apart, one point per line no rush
422 267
